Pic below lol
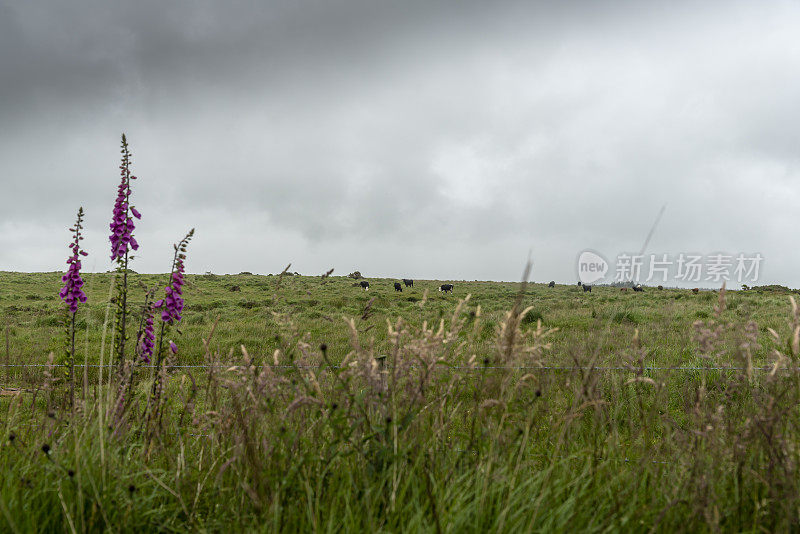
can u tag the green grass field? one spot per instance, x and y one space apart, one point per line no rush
263 305
525 408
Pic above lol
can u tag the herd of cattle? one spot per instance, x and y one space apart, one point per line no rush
448 288
635 287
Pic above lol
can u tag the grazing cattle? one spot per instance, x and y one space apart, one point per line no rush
660 288
587 288
638 287
408 283
364 285
447 288
579 284
398 286
624 289
696 290
552 284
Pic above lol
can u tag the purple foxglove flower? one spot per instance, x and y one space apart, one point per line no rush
147 342
172 303
72 293
173 347
121 224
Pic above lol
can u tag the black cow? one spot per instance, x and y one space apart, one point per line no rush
552 284
579 284
408 283
447 288
638 287
587 288
660 288
364 285
398 286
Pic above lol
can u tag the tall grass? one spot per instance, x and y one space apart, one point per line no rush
432 428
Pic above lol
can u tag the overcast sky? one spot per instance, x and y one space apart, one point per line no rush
404 139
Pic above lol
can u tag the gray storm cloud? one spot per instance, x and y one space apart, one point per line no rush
424 139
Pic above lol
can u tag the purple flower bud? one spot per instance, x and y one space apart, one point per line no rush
173 347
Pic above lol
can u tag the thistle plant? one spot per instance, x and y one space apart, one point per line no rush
122 241
72 294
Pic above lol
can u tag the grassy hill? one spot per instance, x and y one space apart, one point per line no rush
254 311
